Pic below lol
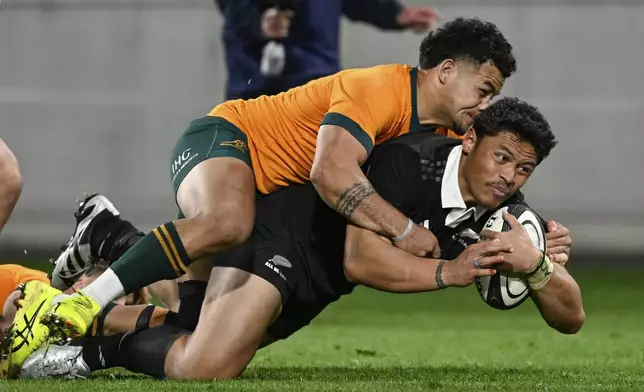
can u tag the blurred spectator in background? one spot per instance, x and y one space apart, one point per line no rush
274 45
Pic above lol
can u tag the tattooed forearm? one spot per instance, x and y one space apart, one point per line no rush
439 275
352 197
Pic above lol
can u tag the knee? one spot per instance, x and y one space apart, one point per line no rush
220 370
223 229
233 228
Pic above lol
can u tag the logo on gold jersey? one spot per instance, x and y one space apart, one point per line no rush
238 144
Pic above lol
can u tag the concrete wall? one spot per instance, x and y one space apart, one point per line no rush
94 94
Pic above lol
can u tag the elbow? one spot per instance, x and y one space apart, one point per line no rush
352 259
324 178
14 185
353 263
320 174
572 324
12 181
352 271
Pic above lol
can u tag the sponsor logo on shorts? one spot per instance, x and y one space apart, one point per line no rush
181 161
278 260
238 144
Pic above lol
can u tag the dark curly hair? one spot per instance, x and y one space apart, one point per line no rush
471 40
521 118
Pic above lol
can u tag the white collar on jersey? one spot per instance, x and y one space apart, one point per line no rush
451 193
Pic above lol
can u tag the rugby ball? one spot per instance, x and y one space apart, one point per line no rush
507 290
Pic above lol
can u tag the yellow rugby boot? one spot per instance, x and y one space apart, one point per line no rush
71 317
27 332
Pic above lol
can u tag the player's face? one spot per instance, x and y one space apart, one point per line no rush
469 90
496 167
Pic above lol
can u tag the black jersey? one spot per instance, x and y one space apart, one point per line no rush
298 240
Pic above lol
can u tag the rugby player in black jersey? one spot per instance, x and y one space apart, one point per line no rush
303 256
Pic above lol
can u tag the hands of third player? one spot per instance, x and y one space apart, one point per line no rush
419 19
275 23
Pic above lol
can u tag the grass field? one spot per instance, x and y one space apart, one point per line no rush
446 341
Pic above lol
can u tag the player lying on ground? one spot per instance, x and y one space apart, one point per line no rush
10 183
322 132
125 314
12 276
302 256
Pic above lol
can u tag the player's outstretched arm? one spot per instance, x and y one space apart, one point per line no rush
559 301
371 260
10 182
338 178
554 291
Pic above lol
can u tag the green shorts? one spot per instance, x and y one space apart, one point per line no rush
207 137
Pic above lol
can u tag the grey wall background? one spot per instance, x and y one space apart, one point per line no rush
94 94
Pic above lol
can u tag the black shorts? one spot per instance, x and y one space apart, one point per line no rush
297 246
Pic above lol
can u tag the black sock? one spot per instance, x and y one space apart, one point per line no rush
145 351
100 352
141 351
111 238
191 295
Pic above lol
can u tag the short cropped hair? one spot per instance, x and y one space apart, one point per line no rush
471 40
519 117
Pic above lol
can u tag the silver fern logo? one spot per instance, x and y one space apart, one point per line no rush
281 261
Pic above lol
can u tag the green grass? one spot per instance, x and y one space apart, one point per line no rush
446 341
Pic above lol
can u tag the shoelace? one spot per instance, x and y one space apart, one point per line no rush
77 214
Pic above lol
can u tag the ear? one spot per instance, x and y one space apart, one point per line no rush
469 141
445 70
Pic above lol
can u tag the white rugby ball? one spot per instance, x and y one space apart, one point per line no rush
506 290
